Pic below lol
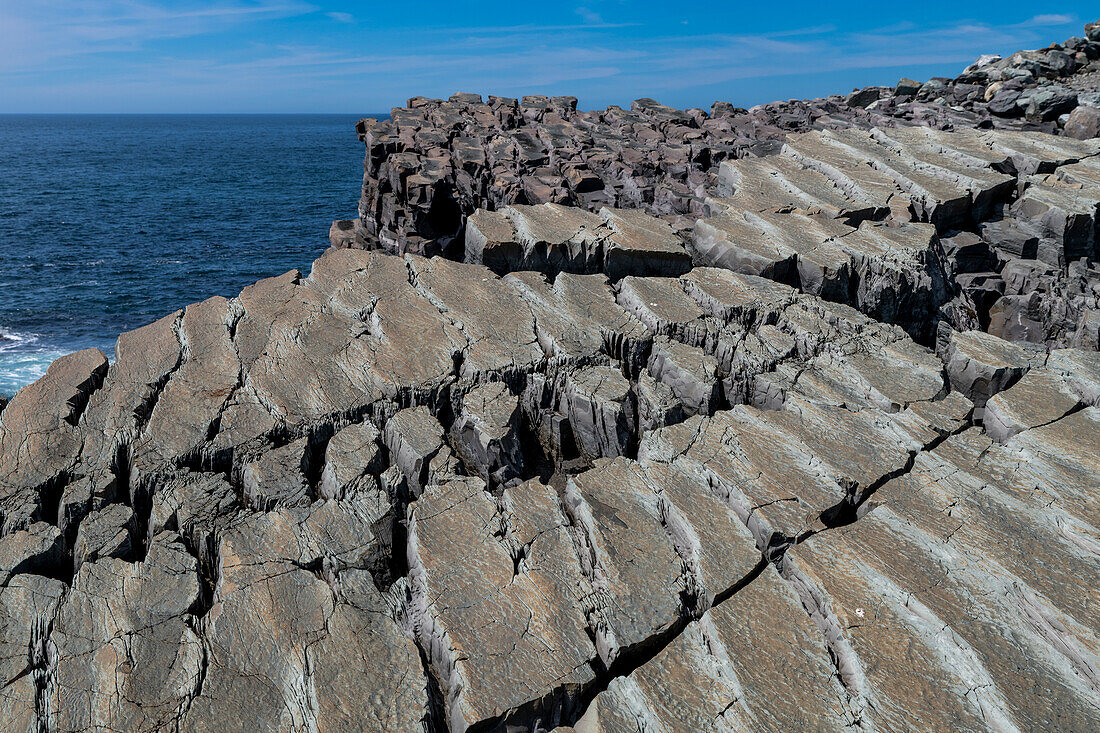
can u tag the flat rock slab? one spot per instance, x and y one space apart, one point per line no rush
981 365
922 599
630 560
756 662
501 633
279 641
1039 398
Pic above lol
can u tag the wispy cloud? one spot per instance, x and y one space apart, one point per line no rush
526 29
589 15
1039 21
31 33
259 54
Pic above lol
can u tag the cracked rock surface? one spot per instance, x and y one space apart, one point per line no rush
820 453
930 230
424 497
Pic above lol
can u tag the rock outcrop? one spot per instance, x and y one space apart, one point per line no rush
810 442
435 162
535 184
911 226
411 494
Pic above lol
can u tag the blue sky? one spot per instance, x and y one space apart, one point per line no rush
345 57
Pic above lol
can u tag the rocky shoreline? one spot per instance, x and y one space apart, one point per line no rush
777 419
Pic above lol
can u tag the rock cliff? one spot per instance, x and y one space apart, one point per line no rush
807 439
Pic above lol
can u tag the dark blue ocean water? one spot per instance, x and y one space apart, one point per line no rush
108 222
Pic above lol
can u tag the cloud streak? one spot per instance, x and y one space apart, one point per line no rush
34 33
211 55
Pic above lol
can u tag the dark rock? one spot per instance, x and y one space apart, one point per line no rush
1004 103
907 88
1047 104
862 97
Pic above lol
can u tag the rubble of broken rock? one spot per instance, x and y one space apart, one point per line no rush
435 162
771 436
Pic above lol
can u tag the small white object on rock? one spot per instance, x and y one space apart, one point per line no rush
984 60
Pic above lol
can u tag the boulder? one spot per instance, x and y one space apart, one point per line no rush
1048 104
907 88
1083 123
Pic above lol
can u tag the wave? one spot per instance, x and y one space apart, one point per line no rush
23 359
18 369
10 340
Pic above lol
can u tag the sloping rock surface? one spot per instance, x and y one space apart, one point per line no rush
411 494
984 229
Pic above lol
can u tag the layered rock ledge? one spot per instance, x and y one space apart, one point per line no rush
434 162
412 494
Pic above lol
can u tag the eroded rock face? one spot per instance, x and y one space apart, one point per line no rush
355 536
535 184
777 468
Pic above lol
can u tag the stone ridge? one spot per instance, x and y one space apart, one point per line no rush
963 230
820 453
1015 215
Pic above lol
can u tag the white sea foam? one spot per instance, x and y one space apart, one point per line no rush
10 340
23 359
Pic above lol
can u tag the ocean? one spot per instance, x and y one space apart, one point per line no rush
108 222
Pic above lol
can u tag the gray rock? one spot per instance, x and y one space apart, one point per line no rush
125 655
498 609
28 606
107 532
37 549
279 477
1004 103
352 460
981 365
1083 123
1039 398
1047 104
39 439
597 401
487 433
413 438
